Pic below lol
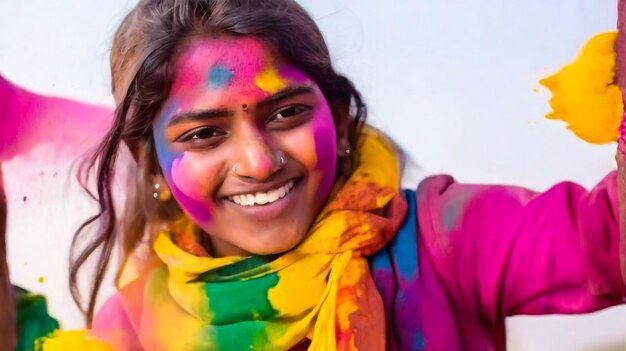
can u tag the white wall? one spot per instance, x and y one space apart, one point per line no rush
452 80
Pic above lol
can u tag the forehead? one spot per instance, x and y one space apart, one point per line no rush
219 62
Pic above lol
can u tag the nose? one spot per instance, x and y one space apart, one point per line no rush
256 161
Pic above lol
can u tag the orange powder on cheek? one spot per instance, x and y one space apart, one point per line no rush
308 140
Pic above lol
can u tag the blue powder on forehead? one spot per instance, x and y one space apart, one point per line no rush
219 77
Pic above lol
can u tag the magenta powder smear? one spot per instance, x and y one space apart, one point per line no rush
30 119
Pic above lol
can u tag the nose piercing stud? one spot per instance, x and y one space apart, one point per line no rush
281 158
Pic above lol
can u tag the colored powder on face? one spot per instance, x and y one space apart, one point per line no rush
219 77
198 209
325 140
585 95
165 154
269 80
169 159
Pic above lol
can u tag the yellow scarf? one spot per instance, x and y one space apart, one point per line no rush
321 290
318 296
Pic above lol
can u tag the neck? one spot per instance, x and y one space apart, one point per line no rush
220 248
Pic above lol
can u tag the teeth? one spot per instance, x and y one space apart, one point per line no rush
282 192
262 198
272 196
249 199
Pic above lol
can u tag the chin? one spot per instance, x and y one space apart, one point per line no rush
275 244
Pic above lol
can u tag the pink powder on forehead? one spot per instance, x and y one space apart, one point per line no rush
244 57
293 74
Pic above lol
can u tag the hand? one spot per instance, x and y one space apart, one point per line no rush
7 310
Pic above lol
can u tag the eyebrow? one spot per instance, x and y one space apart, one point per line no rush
203 115
285 93
198 116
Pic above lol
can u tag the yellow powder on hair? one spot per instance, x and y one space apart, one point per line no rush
269 80
585 94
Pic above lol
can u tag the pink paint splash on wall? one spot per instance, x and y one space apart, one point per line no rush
30 119
42 142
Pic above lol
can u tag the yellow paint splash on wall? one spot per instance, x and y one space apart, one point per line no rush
585 94
70 340
269 80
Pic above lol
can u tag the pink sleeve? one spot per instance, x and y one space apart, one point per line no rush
118 321
502 250
113 326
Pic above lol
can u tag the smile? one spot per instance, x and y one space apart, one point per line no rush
262 198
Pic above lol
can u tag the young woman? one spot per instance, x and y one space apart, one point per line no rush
276 216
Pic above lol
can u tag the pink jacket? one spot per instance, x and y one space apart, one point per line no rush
488 252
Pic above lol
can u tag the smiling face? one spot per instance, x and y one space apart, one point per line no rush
247 145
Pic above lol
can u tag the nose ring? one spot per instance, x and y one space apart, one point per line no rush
282 160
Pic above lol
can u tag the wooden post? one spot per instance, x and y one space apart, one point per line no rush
8 319
620 49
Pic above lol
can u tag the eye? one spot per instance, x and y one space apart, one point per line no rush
202 136
288 113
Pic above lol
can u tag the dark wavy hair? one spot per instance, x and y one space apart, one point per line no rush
141 71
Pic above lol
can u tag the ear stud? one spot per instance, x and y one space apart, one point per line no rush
161 194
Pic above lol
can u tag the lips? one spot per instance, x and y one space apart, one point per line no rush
262 197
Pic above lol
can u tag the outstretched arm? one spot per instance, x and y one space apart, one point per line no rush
507 250
500 250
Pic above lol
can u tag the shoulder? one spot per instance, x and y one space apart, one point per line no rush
452 214
444 205
118 321
113 325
